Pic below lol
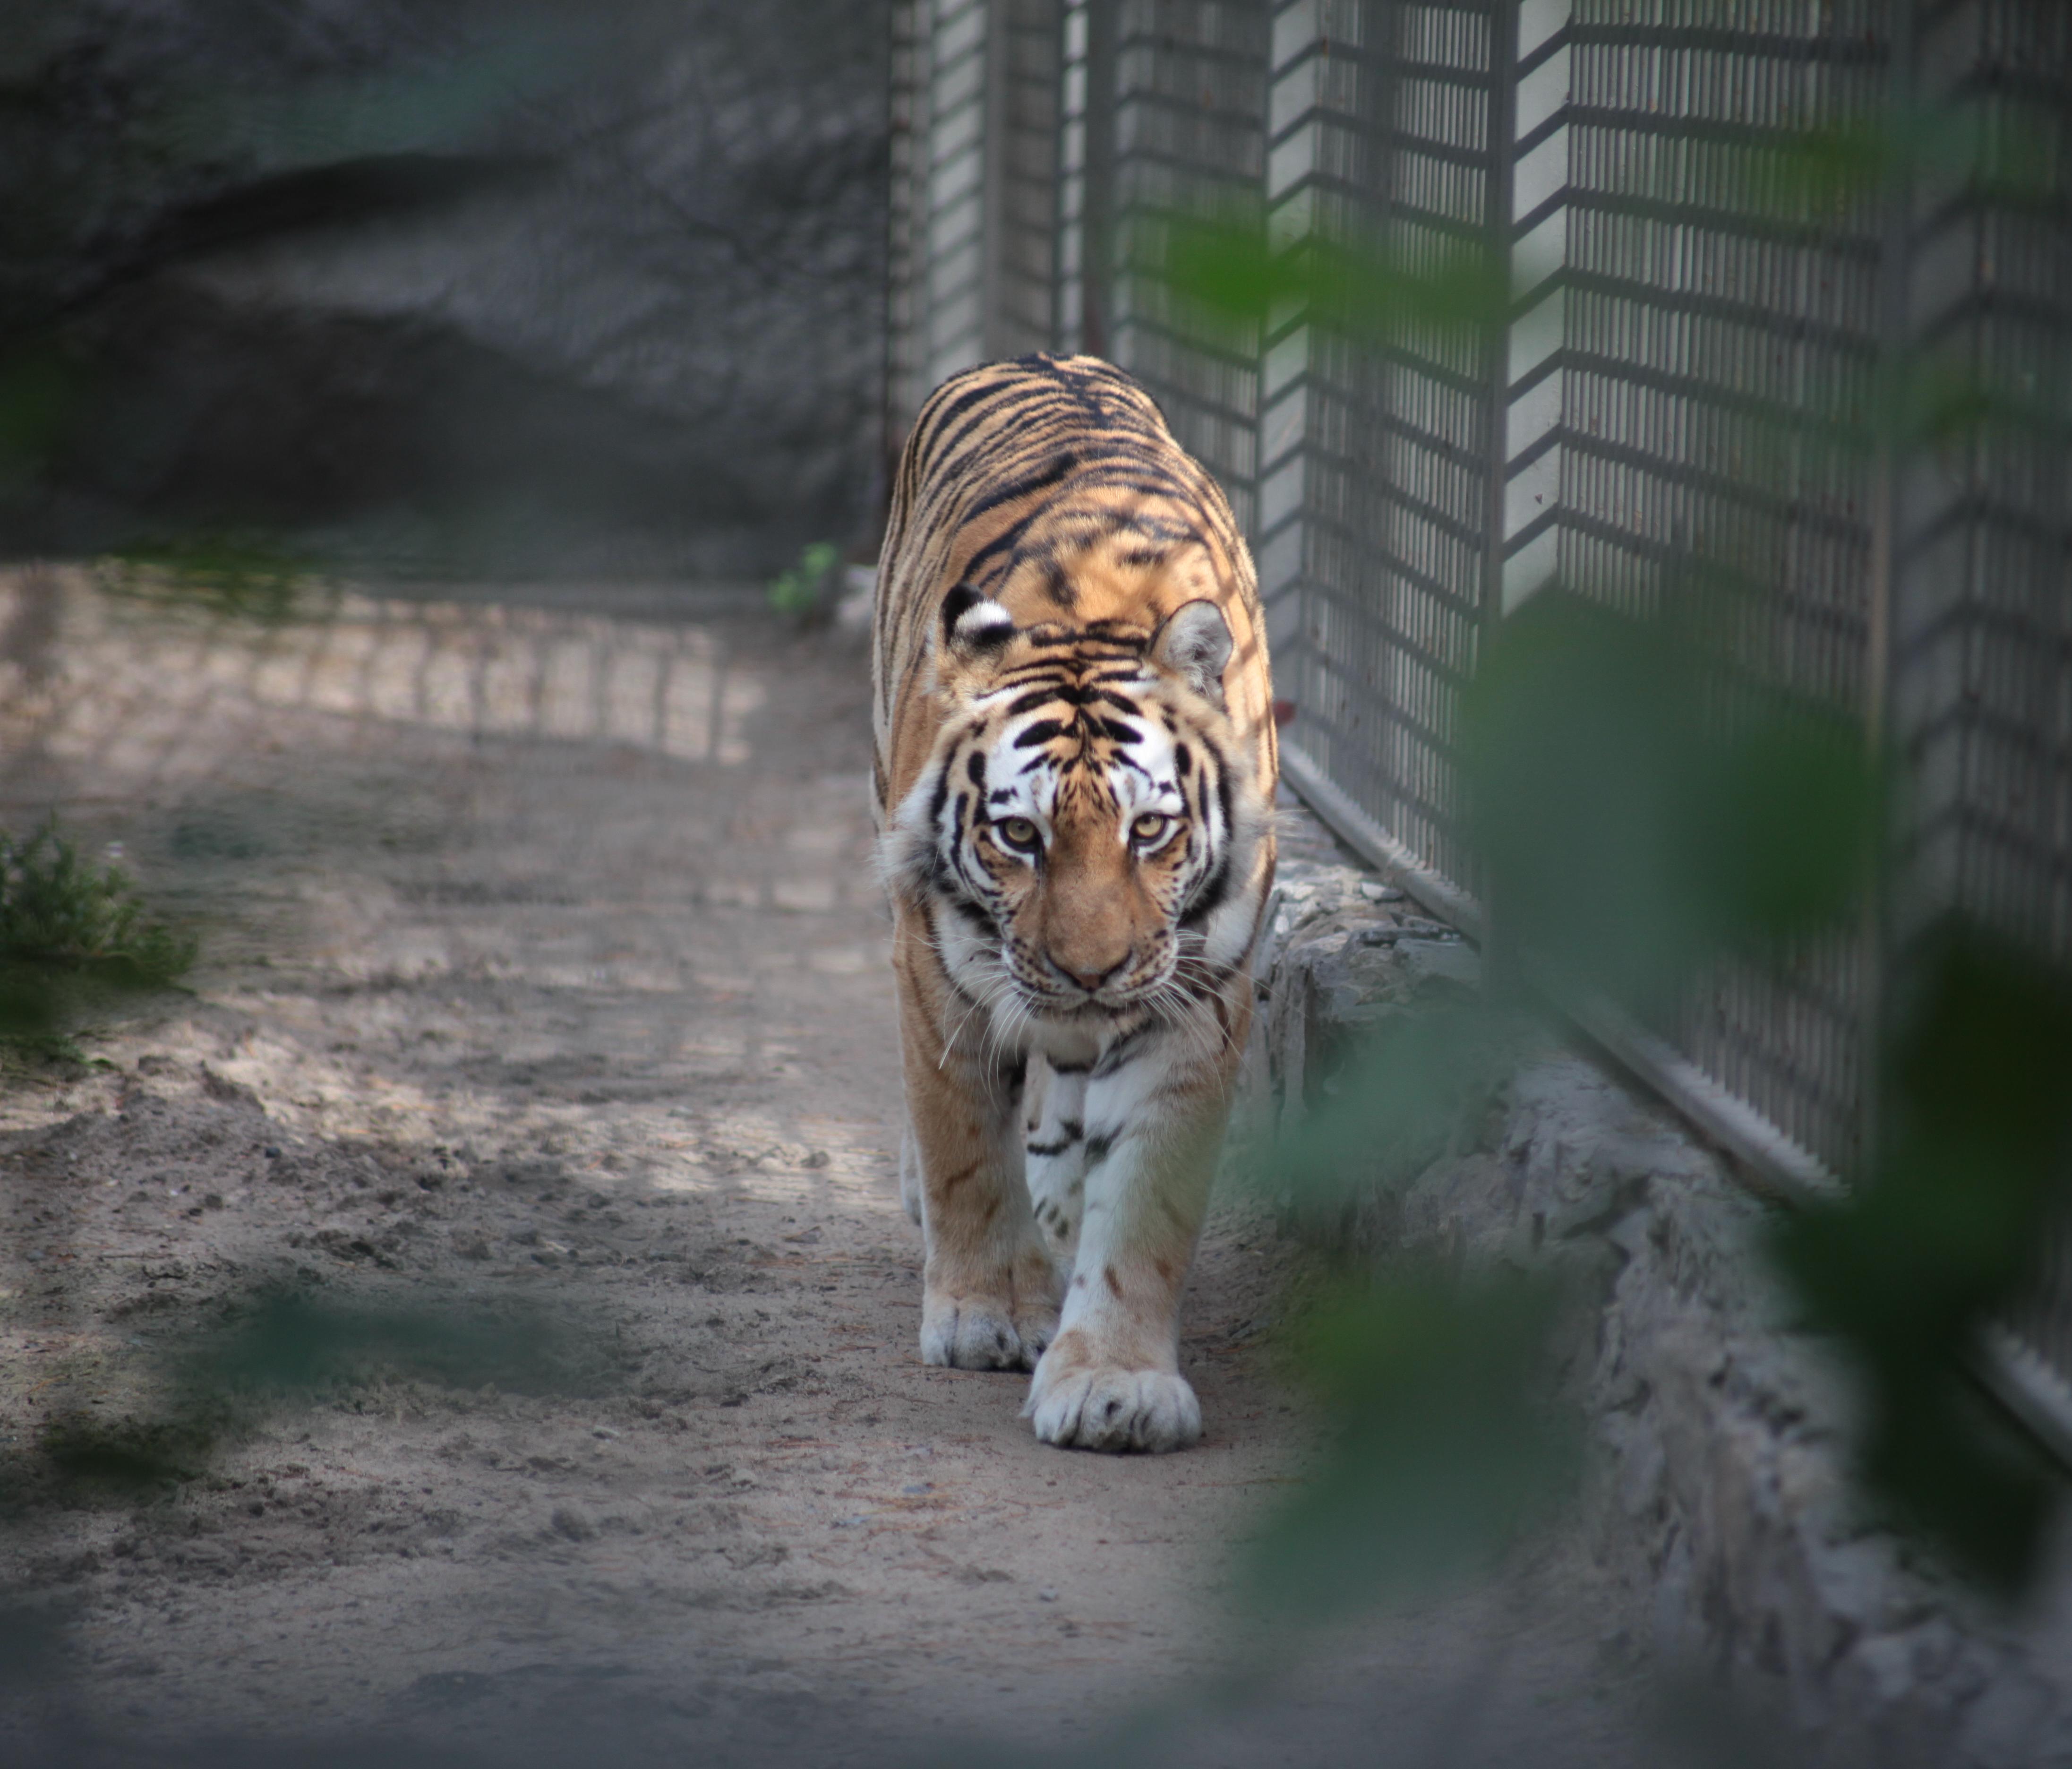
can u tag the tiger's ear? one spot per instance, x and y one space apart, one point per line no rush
1194 642
974 627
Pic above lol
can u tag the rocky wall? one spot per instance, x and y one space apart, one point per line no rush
525 287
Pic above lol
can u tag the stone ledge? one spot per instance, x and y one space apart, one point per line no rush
1718 1490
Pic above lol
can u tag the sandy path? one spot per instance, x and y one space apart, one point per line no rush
544 975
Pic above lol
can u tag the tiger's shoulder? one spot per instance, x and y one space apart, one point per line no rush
1052 486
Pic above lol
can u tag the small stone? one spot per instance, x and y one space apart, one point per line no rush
1046 1596
571 1522
1380 893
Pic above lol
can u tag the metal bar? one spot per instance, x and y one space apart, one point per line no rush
1366 838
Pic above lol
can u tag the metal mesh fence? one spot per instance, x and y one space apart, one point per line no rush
1720 351
1687 392
1982 642
1376 507
1190 140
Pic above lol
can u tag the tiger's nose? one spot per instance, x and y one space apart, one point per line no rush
1088 979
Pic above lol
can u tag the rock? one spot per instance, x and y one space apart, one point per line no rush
451 286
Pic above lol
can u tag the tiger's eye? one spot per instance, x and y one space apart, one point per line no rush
1018 832
1149 827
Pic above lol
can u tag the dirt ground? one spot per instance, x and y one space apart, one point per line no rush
544 984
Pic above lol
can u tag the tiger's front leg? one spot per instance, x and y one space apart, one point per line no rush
1111 1379
989 1291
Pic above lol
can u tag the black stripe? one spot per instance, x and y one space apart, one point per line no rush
977 914
1210 898
1118 1054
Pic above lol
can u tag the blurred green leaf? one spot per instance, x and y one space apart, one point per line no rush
1415 1087
1974 1159
1236 271
1815 176
807 588
283 1341
449 103
238 573
1635 821
1445 1440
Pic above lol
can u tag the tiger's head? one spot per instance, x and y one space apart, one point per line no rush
1082 837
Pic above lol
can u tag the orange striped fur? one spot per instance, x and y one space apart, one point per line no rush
1074 771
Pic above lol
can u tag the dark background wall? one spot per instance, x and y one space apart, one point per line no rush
442 286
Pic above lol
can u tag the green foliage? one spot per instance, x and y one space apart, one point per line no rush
282 1341
1634 822
125 1456
808 589
1818 177
1974 1161
1445 1442
1418 1088
59 908
67 927
1638 814
237 574
279 1345
1236 273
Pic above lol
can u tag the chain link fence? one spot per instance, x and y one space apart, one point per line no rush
1686 389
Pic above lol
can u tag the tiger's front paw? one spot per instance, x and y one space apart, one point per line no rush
984 1332
1113 1409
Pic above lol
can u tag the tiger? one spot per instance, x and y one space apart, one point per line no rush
1073 774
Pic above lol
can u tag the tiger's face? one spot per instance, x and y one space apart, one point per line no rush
1074 834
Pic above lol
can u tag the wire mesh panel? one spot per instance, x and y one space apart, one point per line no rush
1376 506
950 264
906 197
1022 209
1190 140
1982 651
1721 347
1086 178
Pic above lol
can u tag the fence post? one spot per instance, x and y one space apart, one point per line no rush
1296 56
906 243
1086 177
1530 192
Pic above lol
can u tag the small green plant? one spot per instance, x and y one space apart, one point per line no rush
804 591
237 574
65 921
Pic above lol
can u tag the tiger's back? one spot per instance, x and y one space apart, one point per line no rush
1074 772
1051 486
